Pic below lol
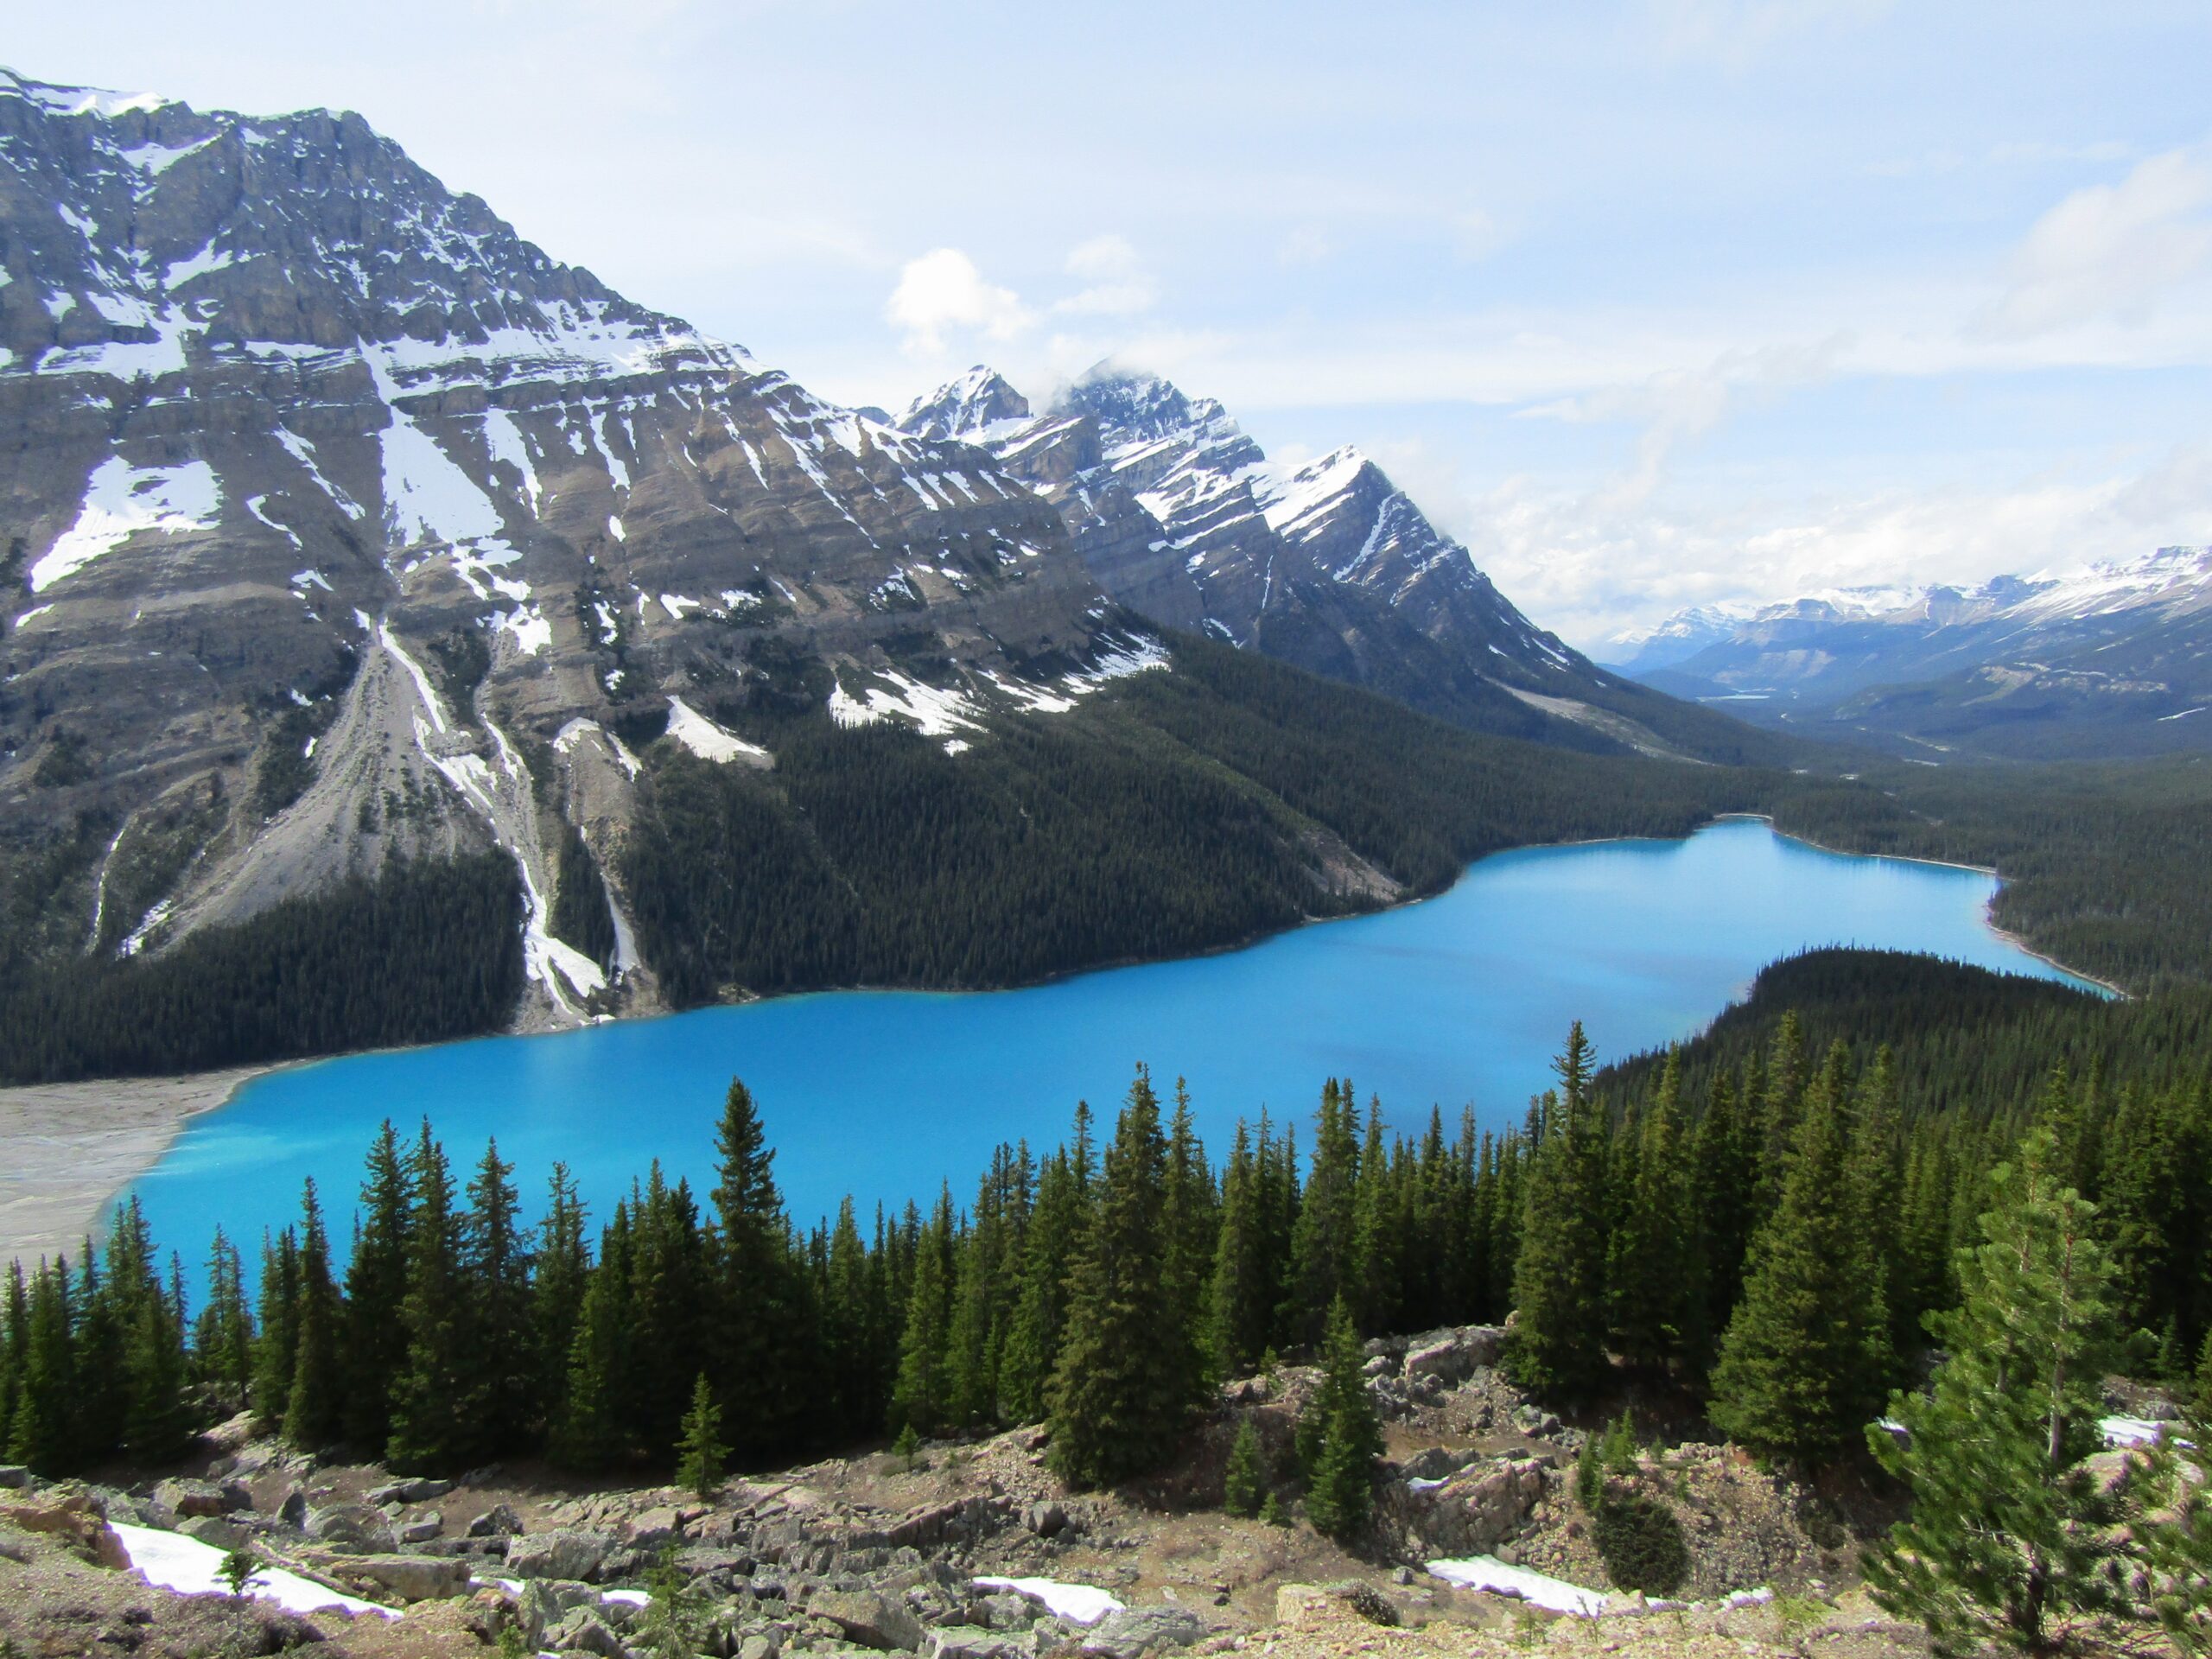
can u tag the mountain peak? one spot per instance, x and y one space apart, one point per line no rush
966 409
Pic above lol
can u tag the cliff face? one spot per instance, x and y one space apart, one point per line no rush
340 520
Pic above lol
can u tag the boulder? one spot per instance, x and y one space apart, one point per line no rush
423 1531
71 1517
293 1511
761 1645
14 1477
1045 1519
496 1522
562 1554
354 1528
650 1528
411 1578
971 1641
584 1631
416 1491
1136 1631
217 1529
186 1499
870 1619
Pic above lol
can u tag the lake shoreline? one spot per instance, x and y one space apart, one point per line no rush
73 1148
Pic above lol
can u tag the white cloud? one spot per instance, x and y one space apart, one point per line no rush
2110 251
1115 282
941 292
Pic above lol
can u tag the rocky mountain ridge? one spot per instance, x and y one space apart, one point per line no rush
1180 516
344 523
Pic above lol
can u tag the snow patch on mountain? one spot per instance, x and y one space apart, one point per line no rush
120 501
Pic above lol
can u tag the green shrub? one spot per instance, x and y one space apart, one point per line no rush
1642 1544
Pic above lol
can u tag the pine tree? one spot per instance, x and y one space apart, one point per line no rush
700 1452
430 1397
2177 1544
15 1341
1803 1365
1324 1238
594 1430
1242 1294
1373 1289
922 1398
1243 1480
1651 1271
556 1295
2014 1542
43 1432
314 1401
501 1364
276 1350
760 1305
222 1343
1341 1471
1057 1226
1557 1344
1120 1396
376 1285
1189 1206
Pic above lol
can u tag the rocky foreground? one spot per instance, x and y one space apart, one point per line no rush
879 1554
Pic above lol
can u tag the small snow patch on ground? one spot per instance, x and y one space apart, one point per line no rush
1079 1604
170 1560
1488 1572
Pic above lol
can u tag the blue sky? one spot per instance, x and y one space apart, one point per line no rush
1656 303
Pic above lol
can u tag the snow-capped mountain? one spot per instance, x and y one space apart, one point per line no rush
1180 516
320 475
2115 656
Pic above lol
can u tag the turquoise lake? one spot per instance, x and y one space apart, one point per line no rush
1461 1000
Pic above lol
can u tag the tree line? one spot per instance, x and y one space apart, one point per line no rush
1773 1248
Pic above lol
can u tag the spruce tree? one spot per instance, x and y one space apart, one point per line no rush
1056 1229
314 1402
222 1343
923 1396
700 1452
376 1285
43 1432
276 1349
430 1397
557 1295
1803 1366
501 1364
760 1305
595 1429
2014 1541
1325 1236
1243 1480
1651 1271
1557 1346
1121 1396
1341 1470
1242 1294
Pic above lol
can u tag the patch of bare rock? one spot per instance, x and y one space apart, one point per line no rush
970 1551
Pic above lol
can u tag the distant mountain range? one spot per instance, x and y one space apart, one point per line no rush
1329 566
2113 658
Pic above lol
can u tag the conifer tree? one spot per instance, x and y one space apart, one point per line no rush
1325 1237
594 1429
1803 1365
1557 1346
2014 1542
14 1338
1242 1294
922 1398
430 1397
276 1350
700 1452
222 1342
1188 1214
500 1362
1374 1290
1120 1396
1243 1480
1651 1272
760 1305
556 1295
1341 1471
314 1402
1039 1322
43 1432
376 1287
